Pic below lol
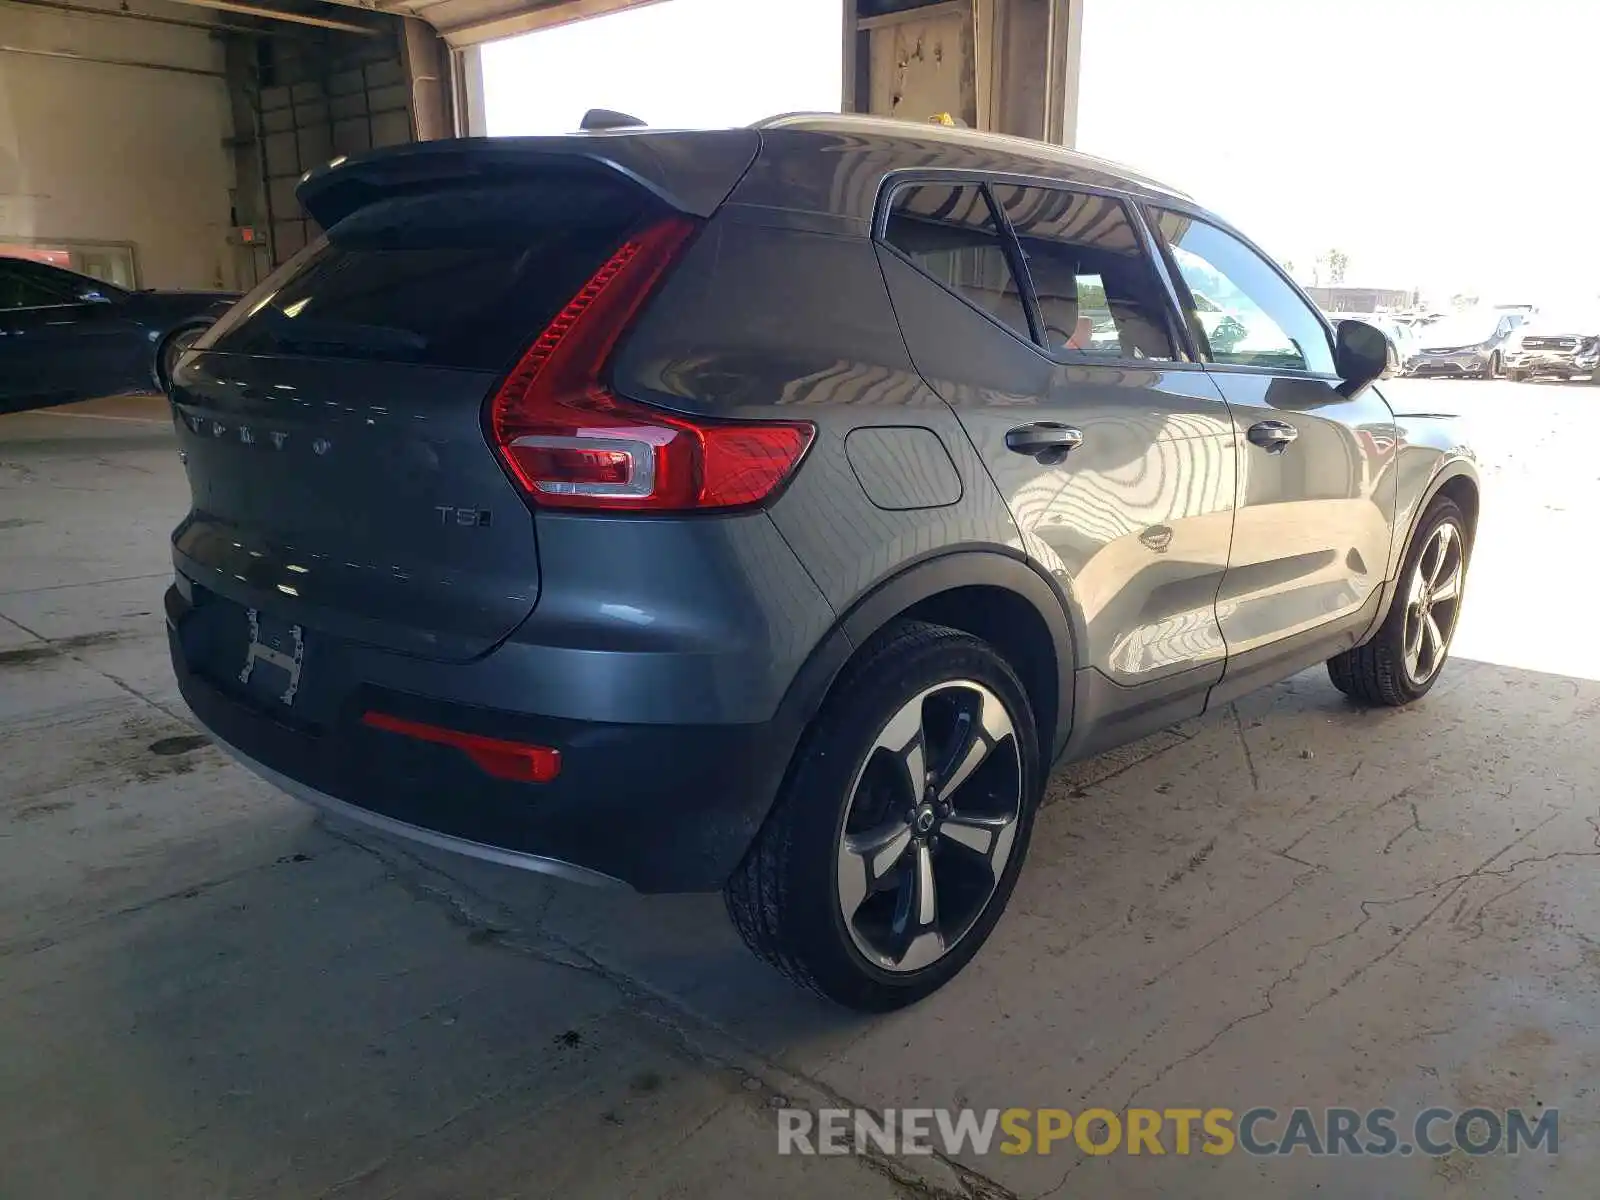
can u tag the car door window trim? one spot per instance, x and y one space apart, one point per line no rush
1069 357
28 279
1148 212
1011 245
1171 282
898 181
1011 256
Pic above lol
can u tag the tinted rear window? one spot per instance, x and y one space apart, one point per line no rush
463 277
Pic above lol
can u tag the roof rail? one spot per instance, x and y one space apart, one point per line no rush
938 130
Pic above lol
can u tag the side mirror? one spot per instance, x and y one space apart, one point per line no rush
1361 355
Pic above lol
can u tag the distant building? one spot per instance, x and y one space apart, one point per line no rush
1359 299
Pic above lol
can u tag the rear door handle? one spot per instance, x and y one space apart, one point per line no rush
1047 441
1273 436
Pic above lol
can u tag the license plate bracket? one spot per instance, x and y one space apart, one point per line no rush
274 656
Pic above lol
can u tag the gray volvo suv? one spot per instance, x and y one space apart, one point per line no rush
767 510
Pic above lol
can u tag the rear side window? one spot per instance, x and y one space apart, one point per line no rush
462 276
1097 291
1242 309
22 288
950 234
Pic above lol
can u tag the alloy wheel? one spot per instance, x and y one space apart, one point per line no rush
1433 601
176 346
931 824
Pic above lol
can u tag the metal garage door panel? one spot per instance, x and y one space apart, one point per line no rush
473 22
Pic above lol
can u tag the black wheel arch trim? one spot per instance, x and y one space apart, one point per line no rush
924 579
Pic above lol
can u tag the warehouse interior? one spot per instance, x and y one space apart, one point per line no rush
1292 901
157 143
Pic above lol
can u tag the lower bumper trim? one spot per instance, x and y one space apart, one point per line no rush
415 833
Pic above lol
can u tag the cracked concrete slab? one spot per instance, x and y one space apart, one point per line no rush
208 992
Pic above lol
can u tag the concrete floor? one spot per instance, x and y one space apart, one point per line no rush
206 992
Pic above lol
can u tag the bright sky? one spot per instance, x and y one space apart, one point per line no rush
1436 142
1446 143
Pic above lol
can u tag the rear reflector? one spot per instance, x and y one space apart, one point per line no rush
516 761
571 443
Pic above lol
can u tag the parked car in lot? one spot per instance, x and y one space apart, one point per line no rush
65 336
1471 344
769 509
1561 343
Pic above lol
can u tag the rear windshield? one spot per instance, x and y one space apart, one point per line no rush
1461 331
461 277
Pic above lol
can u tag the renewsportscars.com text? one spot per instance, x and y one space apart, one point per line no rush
1181 1131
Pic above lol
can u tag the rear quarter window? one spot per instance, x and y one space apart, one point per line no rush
951 235
462 276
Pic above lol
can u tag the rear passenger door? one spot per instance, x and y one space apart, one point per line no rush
56 345
31 369
1039 315
1316 500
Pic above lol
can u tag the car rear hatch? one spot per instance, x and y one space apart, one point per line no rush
333 423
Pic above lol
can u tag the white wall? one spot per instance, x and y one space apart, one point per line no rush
96 152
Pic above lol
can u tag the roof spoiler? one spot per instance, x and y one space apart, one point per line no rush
692 172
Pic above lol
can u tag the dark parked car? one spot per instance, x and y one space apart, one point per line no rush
1471 344
65 336
768 510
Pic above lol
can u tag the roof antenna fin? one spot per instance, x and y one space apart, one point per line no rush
605 118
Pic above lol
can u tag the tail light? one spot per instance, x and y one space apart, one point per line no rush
516 761
571 443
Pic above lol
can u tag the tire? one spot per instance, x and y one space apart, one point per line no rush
171 350
1496 369
1381 672
798 900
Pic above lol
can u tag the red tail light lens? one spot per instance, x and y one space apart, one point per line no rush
571 443
516 761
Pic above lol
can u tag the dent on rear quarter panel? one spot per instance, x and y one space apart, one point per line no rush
786 316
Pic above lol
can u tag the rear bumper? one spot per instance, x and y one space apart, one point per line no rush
661 808
415 833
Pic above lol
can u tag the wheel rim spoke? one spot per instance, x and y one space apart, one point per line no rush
1442 541
924 950
926 891
866 861
1448 588
1435 640
1413 646
902 737
989 726
922 941
987 837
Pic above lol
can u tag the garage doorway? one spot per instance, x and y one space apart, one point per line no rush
686 64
